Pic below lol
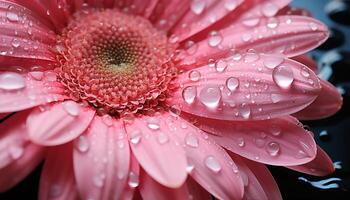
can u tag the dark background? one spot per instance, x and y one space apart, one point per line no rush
331 134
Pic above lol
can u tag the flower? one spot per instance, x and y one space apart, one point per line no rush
165 99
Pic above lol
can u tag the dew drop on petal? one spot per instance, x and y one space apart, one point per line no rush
210 96
240 142
153 123
283 76
230 4
16 43
214 39
133 181
272 23
162 138
189 94
16 151
269 9
212 164
313 26
275 131
71 107
251 56
232 83
251 22
191 140
245 112
198 6
272 62
220 65
11 16
273 148
305 72
194 75
135 136
82 144
11 81
37 75
189 167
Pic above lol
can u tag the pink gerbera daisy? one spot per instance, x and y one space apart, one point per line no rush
159 99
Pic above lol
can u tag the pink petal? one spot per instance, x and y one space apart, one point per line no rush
167 12
322 165
36 92
157 150
208 163
254 90
202 14
58 123
307 61
326 104
133 180
101 160
197 191
151 189
292 36
138 7
57 178
18 156
281 141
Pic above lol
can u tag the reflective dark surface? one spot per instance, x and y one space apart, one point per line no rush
333 134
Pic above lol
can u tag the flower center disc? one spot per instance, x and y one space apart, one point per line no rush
116 62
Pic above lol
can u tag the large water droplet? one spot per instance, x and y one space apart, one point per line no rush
71 107
12 16
283 76
135 136
189 94
82 144
215 38
213 164
210 96
232 83
191 140
194 75
198 6
245 112
153 123
273 148
133 181
221 65
12 81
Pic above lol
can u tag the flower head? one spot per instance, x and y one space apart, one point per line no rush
166 99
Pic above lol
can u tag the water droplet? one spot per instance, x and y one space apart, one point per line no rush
304 152
313 26
230 4
133 181
276 98
305 72
240 142
271 62
251 22
12 16
153 123
15 43
198 6
189 94
37 75
71 107
272 23
232 83
246 37
191 140
16 151
259 142
273 148
215 38
194 75
99 180
189 167
251 56
283 76
135 136
163 138
191 47
269 9
82 144
212 164
245 112
210 96
220 65
276 131
11 81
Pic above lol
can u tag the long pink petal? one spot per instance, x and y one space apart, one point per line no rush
281 141
196 191
252 187
18 156
292 36
133 180
39 89
326 104
101 160
322 165
157 150
208 164
57 178
247 89
58 123
151 189
265 178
